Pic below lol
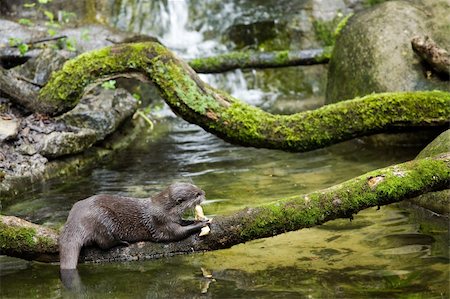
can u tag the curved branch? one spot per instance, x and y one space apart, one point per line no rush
376 188
235 121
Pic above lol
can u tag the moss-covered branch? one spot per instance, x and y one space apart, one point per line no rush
26 240
253 59
235 121
376 188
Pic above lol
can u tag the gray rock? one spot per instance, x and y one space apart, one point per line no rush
58 144
373 52
102 111
38 69
439 145
438 202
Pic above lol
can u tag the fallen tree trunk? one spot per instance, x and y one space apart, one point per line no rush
253 59
235 121
376 188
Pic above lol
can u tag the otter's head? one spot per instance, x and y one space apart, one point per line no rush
179 197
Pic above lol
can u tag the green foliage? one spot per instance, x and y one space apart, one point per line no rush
327 31
14 41
324 32
137 96
111 84
52 24
70 44
25 22
17 42
67 16
369 3
85 35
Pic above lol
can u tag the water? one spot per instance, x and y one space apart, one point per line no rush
386 253
394 252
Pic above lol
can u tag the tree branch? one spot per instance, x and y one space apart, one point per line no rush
428 50
21 91
376 188
253 59
235 121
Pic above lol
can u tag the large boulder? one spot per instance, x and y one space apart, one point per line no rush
438 202
373 52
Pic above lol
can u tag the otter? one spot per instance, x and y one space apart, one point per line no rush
109 220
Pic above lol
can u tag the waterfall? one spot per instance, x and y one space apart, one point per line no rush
187 43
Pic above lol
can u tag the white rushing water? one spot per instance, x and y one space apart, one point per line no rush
188 43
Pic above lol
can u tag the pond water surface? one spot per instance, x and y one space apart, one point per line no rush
391 252
394 252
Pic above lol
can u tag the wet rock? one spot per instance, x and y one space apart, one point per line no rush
96 116
373 52
102 111
438 202
439 145
326 10
57 144
9 29
38 69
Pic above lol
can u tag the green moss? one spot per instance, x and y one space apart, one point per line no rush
17 238
324 32
398 182
440 144
281 56
241 123
342 23
24 239
328 31
370 3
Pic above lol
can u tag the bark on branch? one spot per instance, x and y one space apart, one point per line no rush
428 50
235 60
376 188
233 120
21 91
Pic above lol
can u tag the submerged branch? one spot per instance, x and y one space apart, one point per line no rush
235 121
253 59
376 188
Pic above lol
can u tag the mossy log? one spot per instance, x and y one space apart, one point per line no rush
26 240
233 120
376 188
253 59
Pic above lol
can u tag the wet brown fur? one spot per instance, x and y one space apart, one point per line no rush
109 220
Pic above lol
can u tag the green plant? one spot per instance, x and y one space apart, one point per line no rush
85 35
17 42
110 84
51 22
25 22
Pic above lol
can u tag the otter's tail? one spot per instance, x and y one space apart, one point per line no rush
69 250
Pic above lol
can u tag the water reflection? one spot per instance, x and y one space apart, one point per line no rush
365 259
